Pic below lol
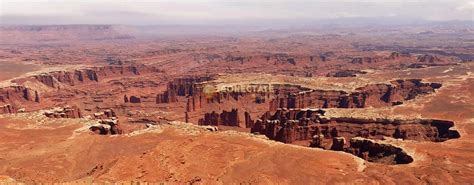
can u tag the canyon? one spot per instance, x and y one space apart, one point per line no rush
106 104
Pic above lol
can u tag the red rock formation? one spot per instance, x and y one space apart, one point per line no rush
363 60
394 55
46 79
105 114
376 152
292 125
428 59
248 120
94 74
338 143
7 109
225 118
107 126
125 99
318 141
66 112
166 97
134 99
183 87
18 95
376 95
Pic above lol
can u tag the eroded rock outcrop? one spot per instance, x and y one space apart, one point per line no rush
7 109
373 151
376 95
166 97
12 94
303 124
182 87
66 112
363 60
428 59
95 74
331 133
227 118
106 127
105 114
135 99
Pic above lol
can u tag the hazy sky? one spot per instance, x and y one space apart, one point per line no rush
219 11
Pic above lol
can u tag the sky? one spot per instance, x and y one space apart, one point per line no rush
148 12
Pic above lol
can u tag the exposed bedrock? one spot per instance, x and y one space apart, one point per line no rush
166 97
66 112
294 125
7 109
428 59
199 96
15 96
376 95
95 74
105 114
260 94
227 118
372 151
134 99
364 60
292 96
185 86
181 87
309 127
107 127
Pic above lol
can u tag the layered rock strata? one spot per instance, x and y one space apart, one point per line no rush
66 112
303 124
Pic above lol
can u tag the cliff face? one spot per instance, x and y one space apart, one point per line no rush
181 87
7 109
106 127
20 95
364 60
372 151
13 96
227 118
294 125
310 125
66 112
377 95
94 74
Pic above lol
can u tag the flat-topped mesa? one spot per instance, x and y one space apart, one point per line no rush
302 124
257 94
66 112
309 127
373 151
376 95
226 118
94 74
